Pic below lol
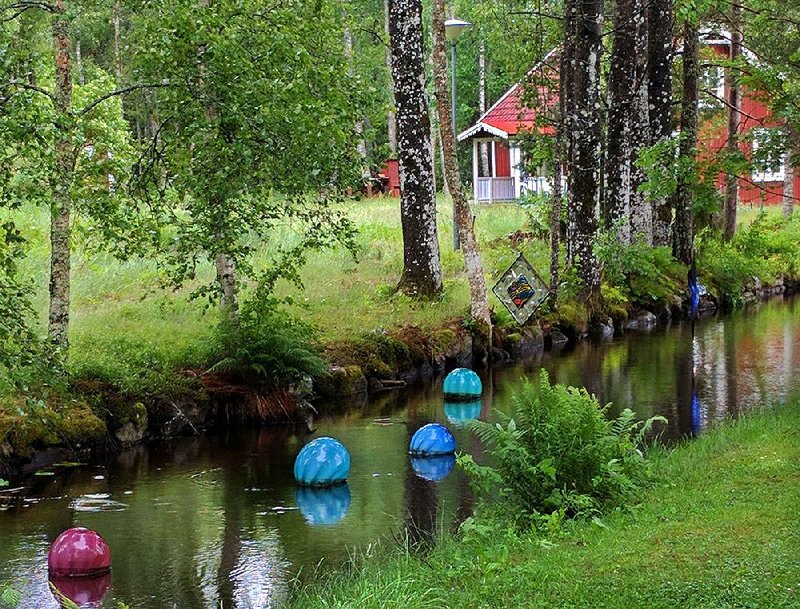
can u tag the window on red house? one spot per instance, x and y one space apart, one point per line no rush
768 155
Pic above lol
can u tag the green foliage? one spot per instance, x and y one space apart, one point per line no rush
638 273
766 250
268 345
9 597
539 208
559 454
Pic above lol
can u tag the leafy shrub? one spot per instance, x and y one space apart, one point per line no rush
766 250
267 345
559 454
639 272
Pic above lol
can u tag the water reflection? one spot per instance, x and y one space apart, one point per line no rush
216 519
433 469
323 506
87 593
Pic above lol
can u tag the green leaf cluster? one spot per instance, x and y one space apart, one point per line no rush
559 454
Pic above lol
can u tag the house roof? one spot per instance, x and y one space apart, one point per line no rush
509 115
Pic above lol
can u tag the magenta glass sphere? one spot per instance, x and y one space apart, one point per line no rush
79 553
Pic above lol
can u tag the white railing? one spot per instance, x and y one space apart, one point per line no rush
496 189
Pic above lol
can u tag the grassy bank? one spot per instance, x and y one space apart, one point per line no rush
720 528
132 340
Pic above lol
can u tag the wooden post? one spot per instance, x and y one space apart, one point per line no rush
475 170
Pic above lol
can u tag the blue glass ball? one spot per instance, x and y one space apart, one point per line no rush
433 468
432 439
323 506
462 383
323 462
461 413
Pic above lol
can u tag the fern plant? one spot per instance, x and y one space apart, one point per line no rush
266 346
559 453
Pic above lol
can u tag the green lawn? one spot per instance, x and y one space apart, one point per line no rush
721 529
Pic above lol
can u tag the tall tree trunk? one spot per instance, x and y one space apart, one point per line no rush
391 118
788 186
224 262
734 118
483 146
479 302
641 206
422 274
60 184
568 119
117 51
683 231
564 80
659 93
585 172
79 62
359 126
622 91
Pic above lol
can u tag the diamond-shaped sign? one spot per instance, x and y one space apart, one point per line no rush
521 290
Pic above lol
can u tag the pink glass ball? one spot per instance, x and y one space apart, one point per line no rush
79 552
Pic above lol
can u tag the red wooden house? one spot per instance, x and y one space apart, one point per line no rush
502 126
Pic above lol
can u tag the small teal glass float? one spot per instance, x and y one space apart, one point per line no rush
462 384
461 413
433 468
432 439
323 506
322 462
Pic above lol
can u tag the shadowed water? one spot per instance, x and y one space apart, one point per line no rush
197 522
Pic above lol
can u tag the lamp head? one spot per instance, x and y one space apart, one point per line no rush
454 27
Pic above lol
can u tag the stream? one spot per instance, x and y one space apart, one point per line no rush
201 521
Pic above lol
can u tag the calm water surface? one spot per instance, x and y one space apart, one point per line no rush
197 522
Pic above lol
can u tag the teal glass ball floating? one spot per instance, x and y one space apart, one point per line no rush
461 413
433 469
322 462
432 439
462 384
323 507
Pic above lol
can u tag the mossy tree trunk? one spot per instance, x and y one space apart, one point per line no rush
659 94
734 119
584 115
61 182
683 231
479 302
422 275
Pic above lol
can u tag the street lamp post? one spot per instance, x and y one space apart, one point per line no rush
452 29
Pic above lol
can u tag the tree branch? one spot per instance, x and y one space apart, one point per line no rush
21 7
29 87
117 92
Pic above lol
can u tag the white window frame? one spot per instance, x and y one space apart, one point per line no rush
766 174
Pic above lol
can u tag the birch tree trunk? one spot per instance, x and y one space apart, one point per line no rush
585 123
479 302
117 51
359 126
659 93
683 231
641 207
79 62
788 187
482 146
225 263
422 274
391 118
567 109
621 91
734 118
61 182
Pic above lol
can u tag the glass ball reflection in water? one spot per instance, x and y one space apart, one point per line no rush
461 413
433 468
323 506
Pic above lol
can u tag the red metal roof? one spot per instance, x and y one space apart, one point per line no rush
511 115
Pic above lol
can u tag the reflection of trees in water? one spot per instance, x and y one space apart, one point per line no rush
420 496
